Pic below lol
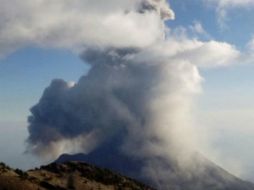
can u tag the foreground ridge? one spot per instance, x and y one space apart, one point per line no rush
68 175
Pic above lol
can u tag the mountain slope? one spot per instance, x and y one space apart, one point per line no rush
67 176
204 175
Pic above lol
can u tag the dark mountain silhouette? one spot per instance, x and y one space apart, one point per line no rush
212 176
67 176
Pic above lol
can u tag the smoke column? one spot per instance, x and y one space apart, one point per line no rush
143 106
136 99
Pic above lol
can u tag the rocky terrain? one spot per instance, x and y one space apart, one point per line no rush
202 175
79 175
66 176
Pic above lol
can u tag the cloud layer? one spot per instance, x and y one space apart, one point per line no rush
81 23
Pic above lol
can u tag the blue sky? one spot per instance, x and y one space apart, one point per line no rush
26 73
227 91
239 24
23 77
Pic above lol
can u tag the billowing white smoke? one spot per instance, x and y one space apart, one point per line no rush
145 92
133 102
76 24
140 108
147 101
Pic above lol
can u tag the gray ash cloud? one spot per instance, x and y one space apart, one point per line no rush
135 100
130 105
110 98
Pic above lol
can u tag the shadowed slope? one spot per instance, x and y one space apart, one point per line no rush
202 175
70 175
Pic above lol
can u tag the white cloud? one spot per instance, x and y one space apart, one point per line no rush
211 54
250 45
247 56
232 3
202 54
223 6
74 24
79 24
198 28
195 30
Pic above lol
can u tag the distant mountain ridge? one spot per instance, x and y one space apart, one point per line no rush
214 177
78 175
66 176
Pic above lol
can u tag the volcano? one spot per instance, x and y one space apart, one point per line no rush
206 176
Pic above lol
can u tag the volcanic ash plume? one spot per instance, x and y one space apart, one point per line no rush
141 101
142 109
77 24
136 100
